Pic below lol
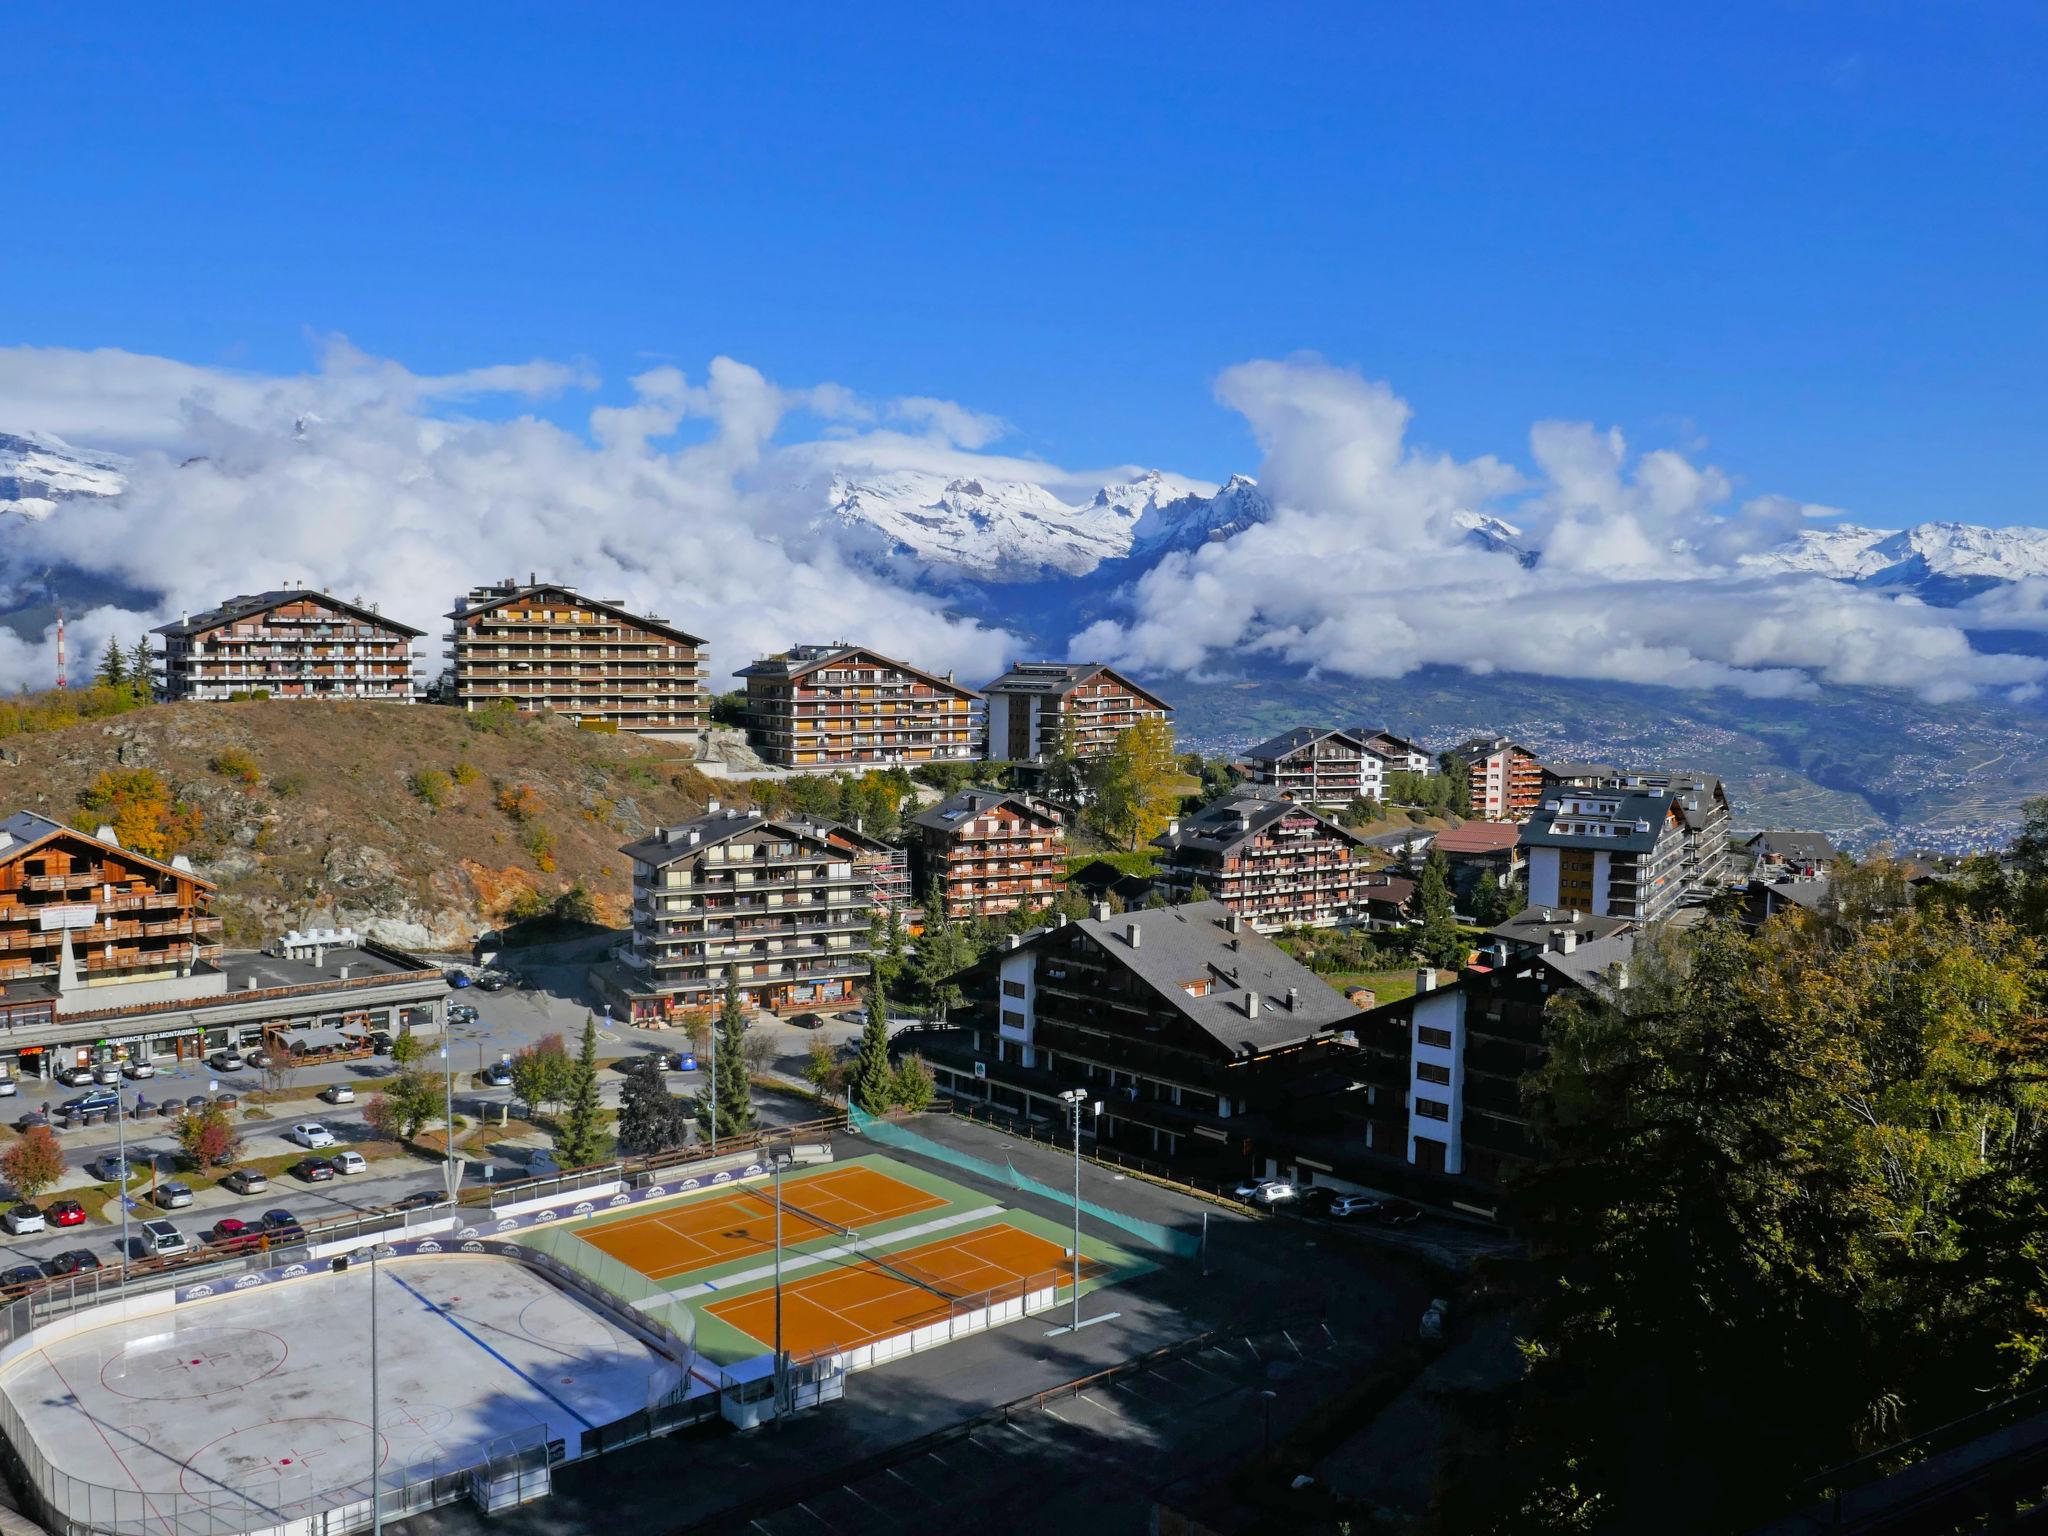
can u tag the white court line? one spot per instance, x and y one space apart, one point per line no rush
796 1263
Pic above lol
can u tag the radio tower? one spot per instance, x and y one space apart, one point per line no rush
60 648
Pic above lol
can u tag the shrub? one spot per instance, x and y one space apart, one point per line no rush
208 1137
540 847
286 785
238 765
466 773
432 786
519 802
497 717
33 1163
576 906
525 907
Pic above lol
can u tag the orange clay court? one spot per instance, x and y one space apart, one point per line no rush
848 1305
741 1223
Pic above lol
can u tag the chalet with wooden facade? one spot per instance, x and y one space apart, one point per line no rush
845 706
1189 1030
1037 705
543 647
984 852
779 903
1275 863
288 644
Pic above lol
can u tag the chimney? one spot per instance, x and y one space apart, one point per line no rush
1133 935
1251 1004
1293 999
1425 979
1101 912
711 808
1569 941
1173 826
1234 923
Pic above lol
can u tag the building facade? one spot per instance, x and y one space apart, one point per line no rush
844 706
1397 755
108 956
287 644
778 903
1315 767
1506 780
1275 863
1610 852
1703 813
1189 1030
1036 705
984 852
545 647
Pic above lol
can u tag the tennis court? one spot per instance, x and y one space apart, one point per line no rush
860 1299
740 1223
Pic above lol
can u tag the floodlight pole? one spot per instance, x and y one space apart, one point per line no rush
451 1176
1074 1098
777 1165
376 1461
714 1086
121 1139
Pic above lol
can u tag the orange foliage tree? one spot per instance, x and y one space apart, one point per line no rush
146 815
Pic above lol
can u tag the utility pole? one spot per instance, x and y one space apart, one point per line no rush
714 1088
376 1460
777 1165
121 1138
1074 1098
453 1175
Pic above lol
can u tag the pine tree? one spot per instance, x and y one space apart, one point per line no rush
651 1119
729 1088
945 949
581 1139
142 671
1439 941
113 672
872 1085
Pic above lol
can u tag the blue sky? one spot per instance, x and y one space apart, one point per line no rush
1812 236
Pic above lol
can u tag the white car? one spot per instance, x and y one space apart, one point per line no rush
349 1162
311 1133
23 1218
338 1093
1267 1192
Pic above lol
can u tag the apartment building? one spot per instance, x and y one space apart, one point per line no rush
1316 767
984 852
1037 704
845 706
287 644
1611 852
1506 780
779 903
1703 813
1803 855
542 646
1399 756
885 867
1577 775
1190 1030
109 956
1275 863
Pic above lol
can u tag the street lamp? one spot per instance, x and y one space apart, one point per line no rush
1074 1099
453 1174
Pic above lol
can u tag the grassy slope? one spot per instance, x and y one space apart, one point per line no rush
350 841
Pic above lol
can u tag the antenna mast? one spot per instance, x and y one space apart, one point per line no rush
60 648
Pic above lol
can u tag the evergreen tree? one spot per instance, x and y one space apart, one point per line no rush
113 672
945 950
729 1090
142 671
581 1139
651 1119
872 1083
1439 941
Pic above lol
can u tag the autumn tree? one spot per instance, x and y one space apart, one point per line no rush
1131 788
142 809
208 1137
540 1072
406 1103
33 1163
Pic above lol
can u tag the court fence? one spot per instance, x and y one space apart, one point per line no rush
895 1133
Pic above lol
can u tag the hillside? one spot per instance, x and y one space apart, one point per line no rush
309 812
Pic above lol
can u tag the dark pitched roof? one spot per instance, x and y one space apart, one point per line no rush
1642 814
1394 890
1224 824
1196 943
1580 770
1275 748
1535 928
1383 743
672 844
1796 847
801 660
1486 746
1597 966
968 803
1063 677
498 597
250 604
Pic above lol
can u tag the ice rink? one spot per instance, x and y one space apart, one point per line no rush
262 1400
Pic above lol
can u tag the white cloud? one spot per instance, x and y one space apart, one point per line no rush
1361 571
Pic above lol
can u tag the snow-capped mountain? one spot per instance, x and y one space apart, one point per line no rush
1937 560
1485 531
38 472
1013 530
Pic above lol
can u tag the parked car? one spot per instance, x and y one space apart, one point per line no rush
22 1219
1267 1192
419 1200
1315 1200
459 979
311 1133
225 1061
20 1277
380 1042
1396 1213
346 1161
1350 1207
493 981
338 1093
139 1069
172 1194
283 1226
74 1261
808 1021
112 1168
9 1087
97 1102
160 1239
65 1213
231 1232
462 1013
258 1058
106 1073
313 1170
497 1075
75 1077
247 1181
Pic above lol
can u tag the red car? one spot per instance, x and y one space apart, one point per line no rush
230 1233
65 1213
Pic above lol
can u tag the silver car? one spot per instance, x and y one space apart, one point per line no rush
172 1195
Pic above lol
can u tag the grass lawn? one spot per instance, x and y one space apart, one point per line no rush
1387 986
